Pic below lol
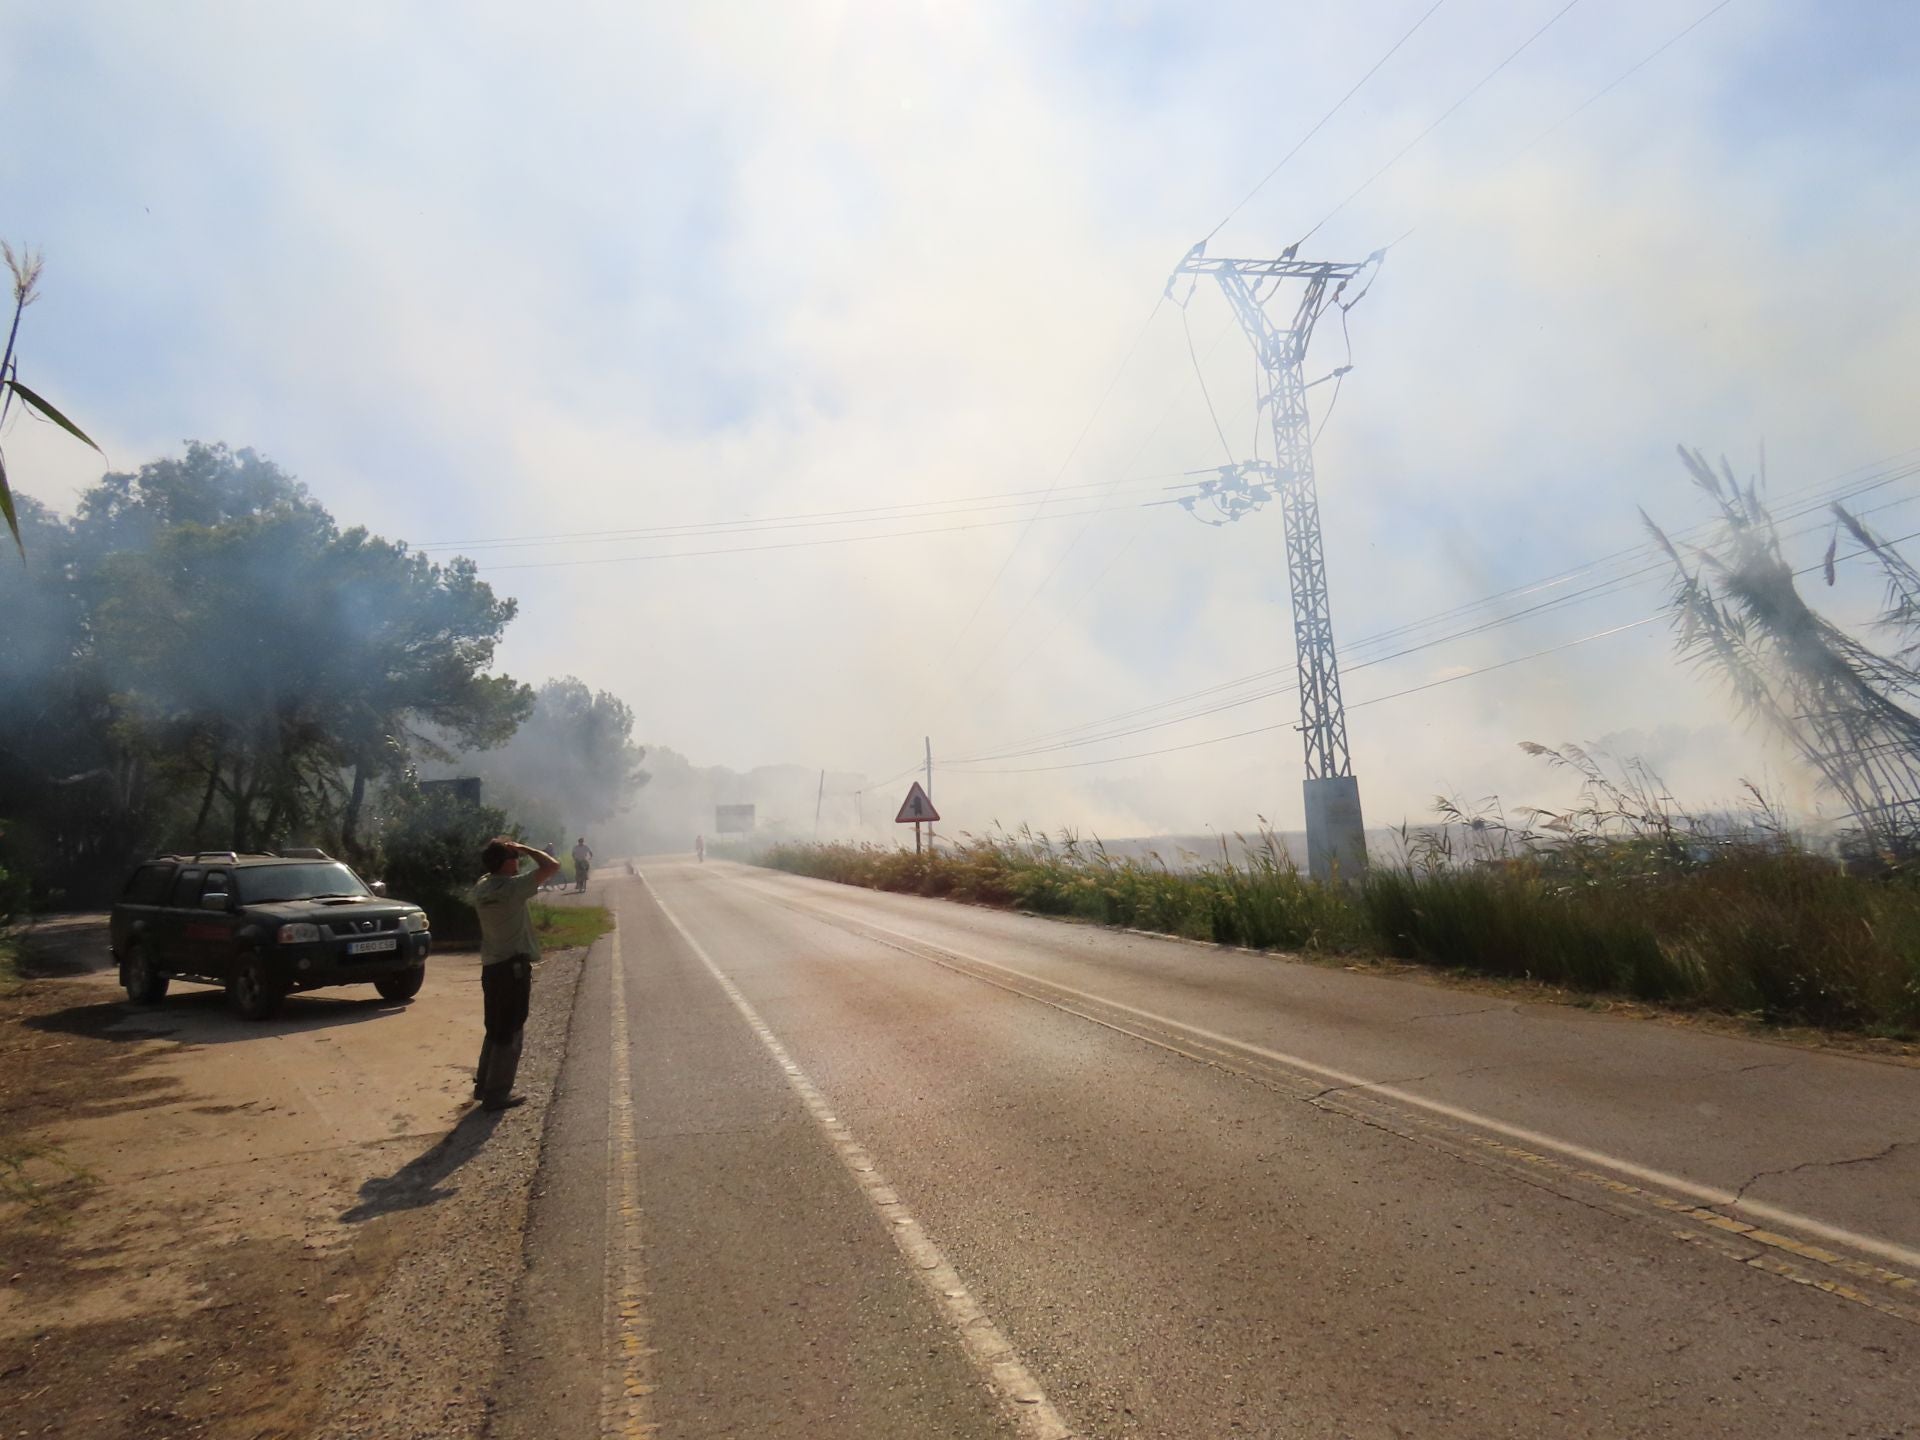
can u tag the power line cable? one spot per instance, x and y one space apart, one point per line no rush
869 514
1033 745
1321 124
1079 440
797 544
1358 705
1836 487
1444 116
1599 94
1205 394
1621 78
1046 580
1410 690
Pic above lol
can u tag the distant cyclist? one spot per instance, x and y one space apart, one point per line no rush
582 863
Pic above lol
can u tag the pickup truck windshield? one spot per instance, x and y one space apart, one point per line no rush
265 884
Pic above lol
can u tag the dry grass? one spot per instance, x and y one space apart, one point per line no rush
1750 927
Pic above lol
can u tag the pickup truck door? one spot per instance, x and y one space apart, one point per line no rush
167 931
209 932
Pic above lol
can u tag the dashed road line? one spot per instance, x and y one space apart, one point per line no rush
980 1339
626 1406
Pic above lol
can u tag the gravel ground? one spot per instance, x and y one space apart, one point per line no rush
433 1340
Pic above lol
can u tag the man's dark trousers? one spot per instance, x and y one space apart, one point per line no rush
506 991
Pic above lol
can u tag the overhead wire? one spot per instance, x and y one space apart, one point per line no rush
1613 84
1596 96
1035 744
1073 451
1622 77
1823 492
1205 394
1396 694
1285 689
1046 580
860 515
1321 124
1392 161
800 544
1443 117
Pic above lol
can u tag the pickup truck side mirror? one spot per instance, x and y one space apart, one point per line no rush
379 887
214 900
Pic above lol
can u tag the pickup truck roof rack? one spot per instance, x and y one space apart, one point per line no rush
301 852
199 857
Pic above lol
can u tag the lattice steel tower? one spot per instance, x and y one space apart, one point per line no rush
1336 836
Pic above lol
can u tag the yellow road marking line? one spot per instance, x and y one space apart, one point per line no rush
626 1407
1709 1195
980 1339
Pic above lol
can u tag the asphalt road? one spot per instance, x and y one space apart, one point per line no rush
837 1164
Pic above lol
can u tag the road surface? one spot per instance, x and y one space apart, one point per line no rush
841 1164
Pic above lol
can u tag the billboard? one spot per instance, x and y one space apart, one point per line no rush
733 819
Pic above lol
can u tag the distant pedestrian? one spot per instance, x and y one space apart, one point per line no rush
582 862
507 952
700 848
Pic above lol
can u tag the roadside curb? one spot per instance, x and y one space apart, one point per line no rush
435 1335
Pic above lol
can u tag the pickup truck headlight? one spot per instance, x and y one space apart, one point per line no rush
414 920
299 934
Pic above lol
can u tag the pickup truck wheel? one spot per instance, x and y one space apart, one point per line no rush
253 991
402 987
145 985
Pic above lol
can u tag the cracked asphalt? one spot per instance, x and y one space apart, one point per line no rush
1204 1193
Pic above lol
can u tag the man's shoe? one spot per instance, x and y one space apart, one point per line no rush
509 1103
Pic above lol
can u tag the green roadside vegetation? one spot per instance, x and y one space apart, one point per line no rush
562 927
1750 926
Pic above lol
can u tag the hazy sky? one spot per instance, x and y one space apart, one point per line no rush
494 273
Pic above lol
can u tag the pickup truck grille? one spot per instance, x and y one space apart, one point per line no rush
351 929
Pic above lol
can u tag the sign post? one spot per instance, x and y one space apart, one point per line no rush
916 810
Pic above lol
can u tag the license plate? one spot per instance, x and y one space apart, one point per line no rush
369 947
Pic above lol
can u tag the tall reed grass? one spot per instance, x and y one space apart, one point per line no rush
1621 895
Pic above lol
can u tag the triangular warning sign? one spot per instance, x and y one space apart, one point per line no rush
916 807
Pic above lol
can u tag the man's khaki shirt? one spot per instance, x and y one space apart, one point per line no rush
506 930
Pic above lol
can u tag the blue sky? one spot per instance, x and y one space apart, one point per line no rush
479 274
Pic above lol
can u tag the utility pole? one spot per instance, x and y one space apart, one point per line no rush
929 740
1336 835
819 796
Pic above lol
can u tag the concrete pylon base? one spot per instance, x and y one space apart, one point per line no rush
1336 835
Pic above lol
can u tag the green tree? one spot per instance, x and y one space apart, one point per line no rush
572 764
230 668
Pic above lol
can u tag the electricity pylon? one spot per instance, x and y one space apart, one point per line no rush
1336 835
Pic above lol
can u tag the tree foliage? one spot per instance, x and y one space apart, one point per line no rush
571 766
206 659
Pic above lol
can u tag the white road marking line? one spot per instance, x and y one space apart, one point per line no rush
1712 1195
626 1405
980 1338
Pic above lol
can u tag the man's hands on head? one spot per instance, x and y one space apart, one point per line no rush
546 866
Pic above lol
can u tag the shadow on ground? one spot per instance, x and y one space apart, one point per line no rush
199 1016
421 1180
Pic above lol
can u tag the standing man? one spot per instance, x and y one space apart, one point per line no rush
582 862
507 952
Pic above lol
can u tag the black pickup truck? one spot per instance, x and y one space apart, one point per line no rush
263 925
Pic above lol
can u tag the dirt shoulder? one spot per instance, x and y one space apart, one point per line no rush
203 1217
